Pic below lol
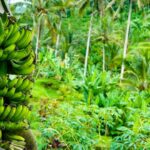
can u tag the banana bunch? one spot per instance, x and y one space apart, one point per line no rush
14 114
15 47
18 90
13 126
17 142
17 58
3 85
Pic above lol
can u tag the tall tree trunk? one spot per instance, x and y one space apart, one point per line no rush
126 40
88 45
58 39
38 39
104 59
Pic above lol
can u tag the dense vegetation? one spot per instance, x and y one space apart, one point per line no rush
92 80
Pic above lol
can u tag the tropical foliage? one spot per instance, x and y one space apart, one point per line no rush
92 80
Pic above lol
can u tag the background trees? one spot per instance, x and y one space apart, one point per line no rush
84 40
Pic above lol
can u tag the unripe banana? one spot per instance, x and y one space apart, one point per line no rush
24 85
1 27
14 137
12 126
4 56
10 92
17 113
30 86
5 113
3 81
21 35
27 116
24 71
3 91
15 29
22 114
1 109
1 53
18 84
1 101
19 143
24 42
12 83
10 48
24 63
11 28
13 39
20 54
12 113
17 96
5 19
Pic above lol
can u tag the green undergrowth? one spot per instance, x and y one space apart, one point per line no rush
61 119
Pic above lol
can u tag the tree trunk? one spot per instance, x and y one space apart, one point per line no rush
38 40
104 59
88 45
126 41
4 7
58 39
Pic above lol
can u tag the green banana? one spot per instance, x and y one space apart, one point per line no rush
5 113
12 83
2 37
22 114
17 96
19 143
12 126
20 54
25 40
3 91
24 85
10 28
1 101
3 81
1 53
12 113
1 27
25 99
10 48
27 116
5 19
10 92
4 56
15 29
18 84
17 113
24 71
14 137
12 39
30 86
1 109
24 63
21 35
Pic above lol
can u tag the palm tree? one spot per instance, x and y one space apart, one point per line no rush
126 40
138 67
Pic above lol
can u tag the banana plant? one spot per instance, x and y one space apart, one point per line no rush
138 67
